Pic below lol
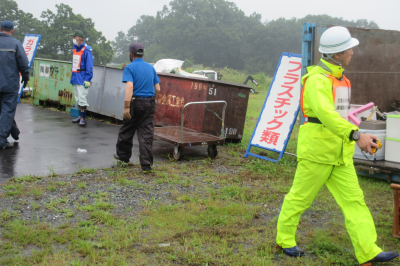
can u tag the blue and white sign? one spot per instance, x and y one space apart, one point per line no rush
30 44
280 109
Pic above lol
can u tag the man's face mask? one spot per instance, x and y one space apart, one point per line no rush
75 41
130 58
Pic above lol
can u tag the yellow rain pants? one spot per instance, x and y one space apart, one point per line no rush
342 182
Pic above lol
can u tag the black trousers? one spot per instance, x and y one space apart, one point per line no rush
142 121
8 106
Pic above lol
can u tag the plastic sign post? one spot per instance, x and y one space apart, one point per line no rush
280 109
30 45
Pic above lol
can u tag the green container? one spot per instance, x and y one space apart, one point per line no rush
52 84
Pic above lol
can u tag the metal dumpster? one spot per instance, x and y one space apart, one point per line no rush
51 83
177 90
107 93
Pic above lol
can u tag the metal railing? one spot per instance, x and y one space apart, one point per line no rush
208 102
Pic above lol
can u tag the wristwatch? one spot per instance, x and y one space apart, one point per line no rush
355 135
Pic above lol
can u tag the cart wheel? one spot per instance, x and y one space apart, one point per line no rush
212 151
177 153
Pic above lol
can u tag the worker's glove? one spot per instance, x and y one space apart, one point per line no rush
86 84
127 110
25 81
154 105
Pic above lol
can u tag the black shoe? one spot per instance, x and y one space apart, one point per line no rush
9 146
120 159
293 252
382 257
146 168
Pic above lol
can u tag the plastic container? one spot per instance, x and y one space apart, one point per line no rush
81 150
380 153
393 126
354 107
74 112
392 152
373 125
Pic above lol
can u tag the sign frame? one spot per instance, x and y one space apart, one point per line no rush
21 89
282 152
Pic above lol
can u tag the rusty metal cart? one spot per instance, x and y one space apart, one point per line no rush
181 136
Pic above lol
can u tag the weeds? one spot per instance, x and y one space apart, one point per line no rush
82 185
194 212
13 189
85 171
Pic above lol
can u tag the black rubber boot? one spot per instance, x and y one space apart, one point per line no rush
382 257
292 252
82 122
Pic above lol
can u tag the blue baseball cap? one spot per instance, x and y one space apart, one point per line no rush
6 24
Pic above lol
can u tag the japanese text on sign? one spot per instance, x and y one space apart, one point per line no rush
280 107
29 45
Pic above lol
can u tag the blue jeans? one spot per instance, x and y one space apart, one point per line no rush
8 106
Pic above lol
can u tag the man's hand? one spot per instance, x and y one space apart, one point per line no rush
25 81
365 143
86 84
127 113
154 105
127 110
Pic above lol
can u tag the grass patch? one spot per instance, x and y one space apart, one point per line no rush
85 171
193 212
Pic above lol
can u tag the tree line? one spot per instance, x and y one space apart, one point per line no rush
217 33
214 33
55 29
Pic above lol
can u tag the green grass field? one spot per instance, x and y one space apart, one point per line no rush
193 212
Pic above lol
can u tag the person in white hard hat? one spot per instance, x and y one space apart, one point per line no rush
325 151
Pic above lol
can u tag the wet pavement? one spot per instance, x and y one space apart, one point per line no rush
49 142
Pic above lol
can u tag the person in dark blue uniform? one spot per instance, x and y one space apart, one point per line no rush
142 88
13 60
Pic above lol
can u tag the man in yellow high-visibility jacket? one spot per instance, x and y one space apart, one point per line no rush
325 149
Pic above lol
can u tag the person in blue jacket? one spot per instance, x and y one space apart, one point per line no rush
82 74
13 61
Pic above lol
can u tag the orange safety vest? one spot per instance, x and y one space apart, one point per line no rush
76 60
341 91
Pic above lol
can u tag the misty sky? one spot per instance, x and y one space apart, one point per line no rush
119 15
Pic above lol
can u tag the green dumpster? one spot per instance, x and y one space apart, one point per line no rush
52 84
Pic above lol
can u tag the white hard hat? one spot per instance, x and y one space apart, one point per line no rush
336 39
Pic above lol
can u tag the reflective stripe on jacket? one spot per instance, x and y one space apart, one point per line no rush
329 142
86 62
13 60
